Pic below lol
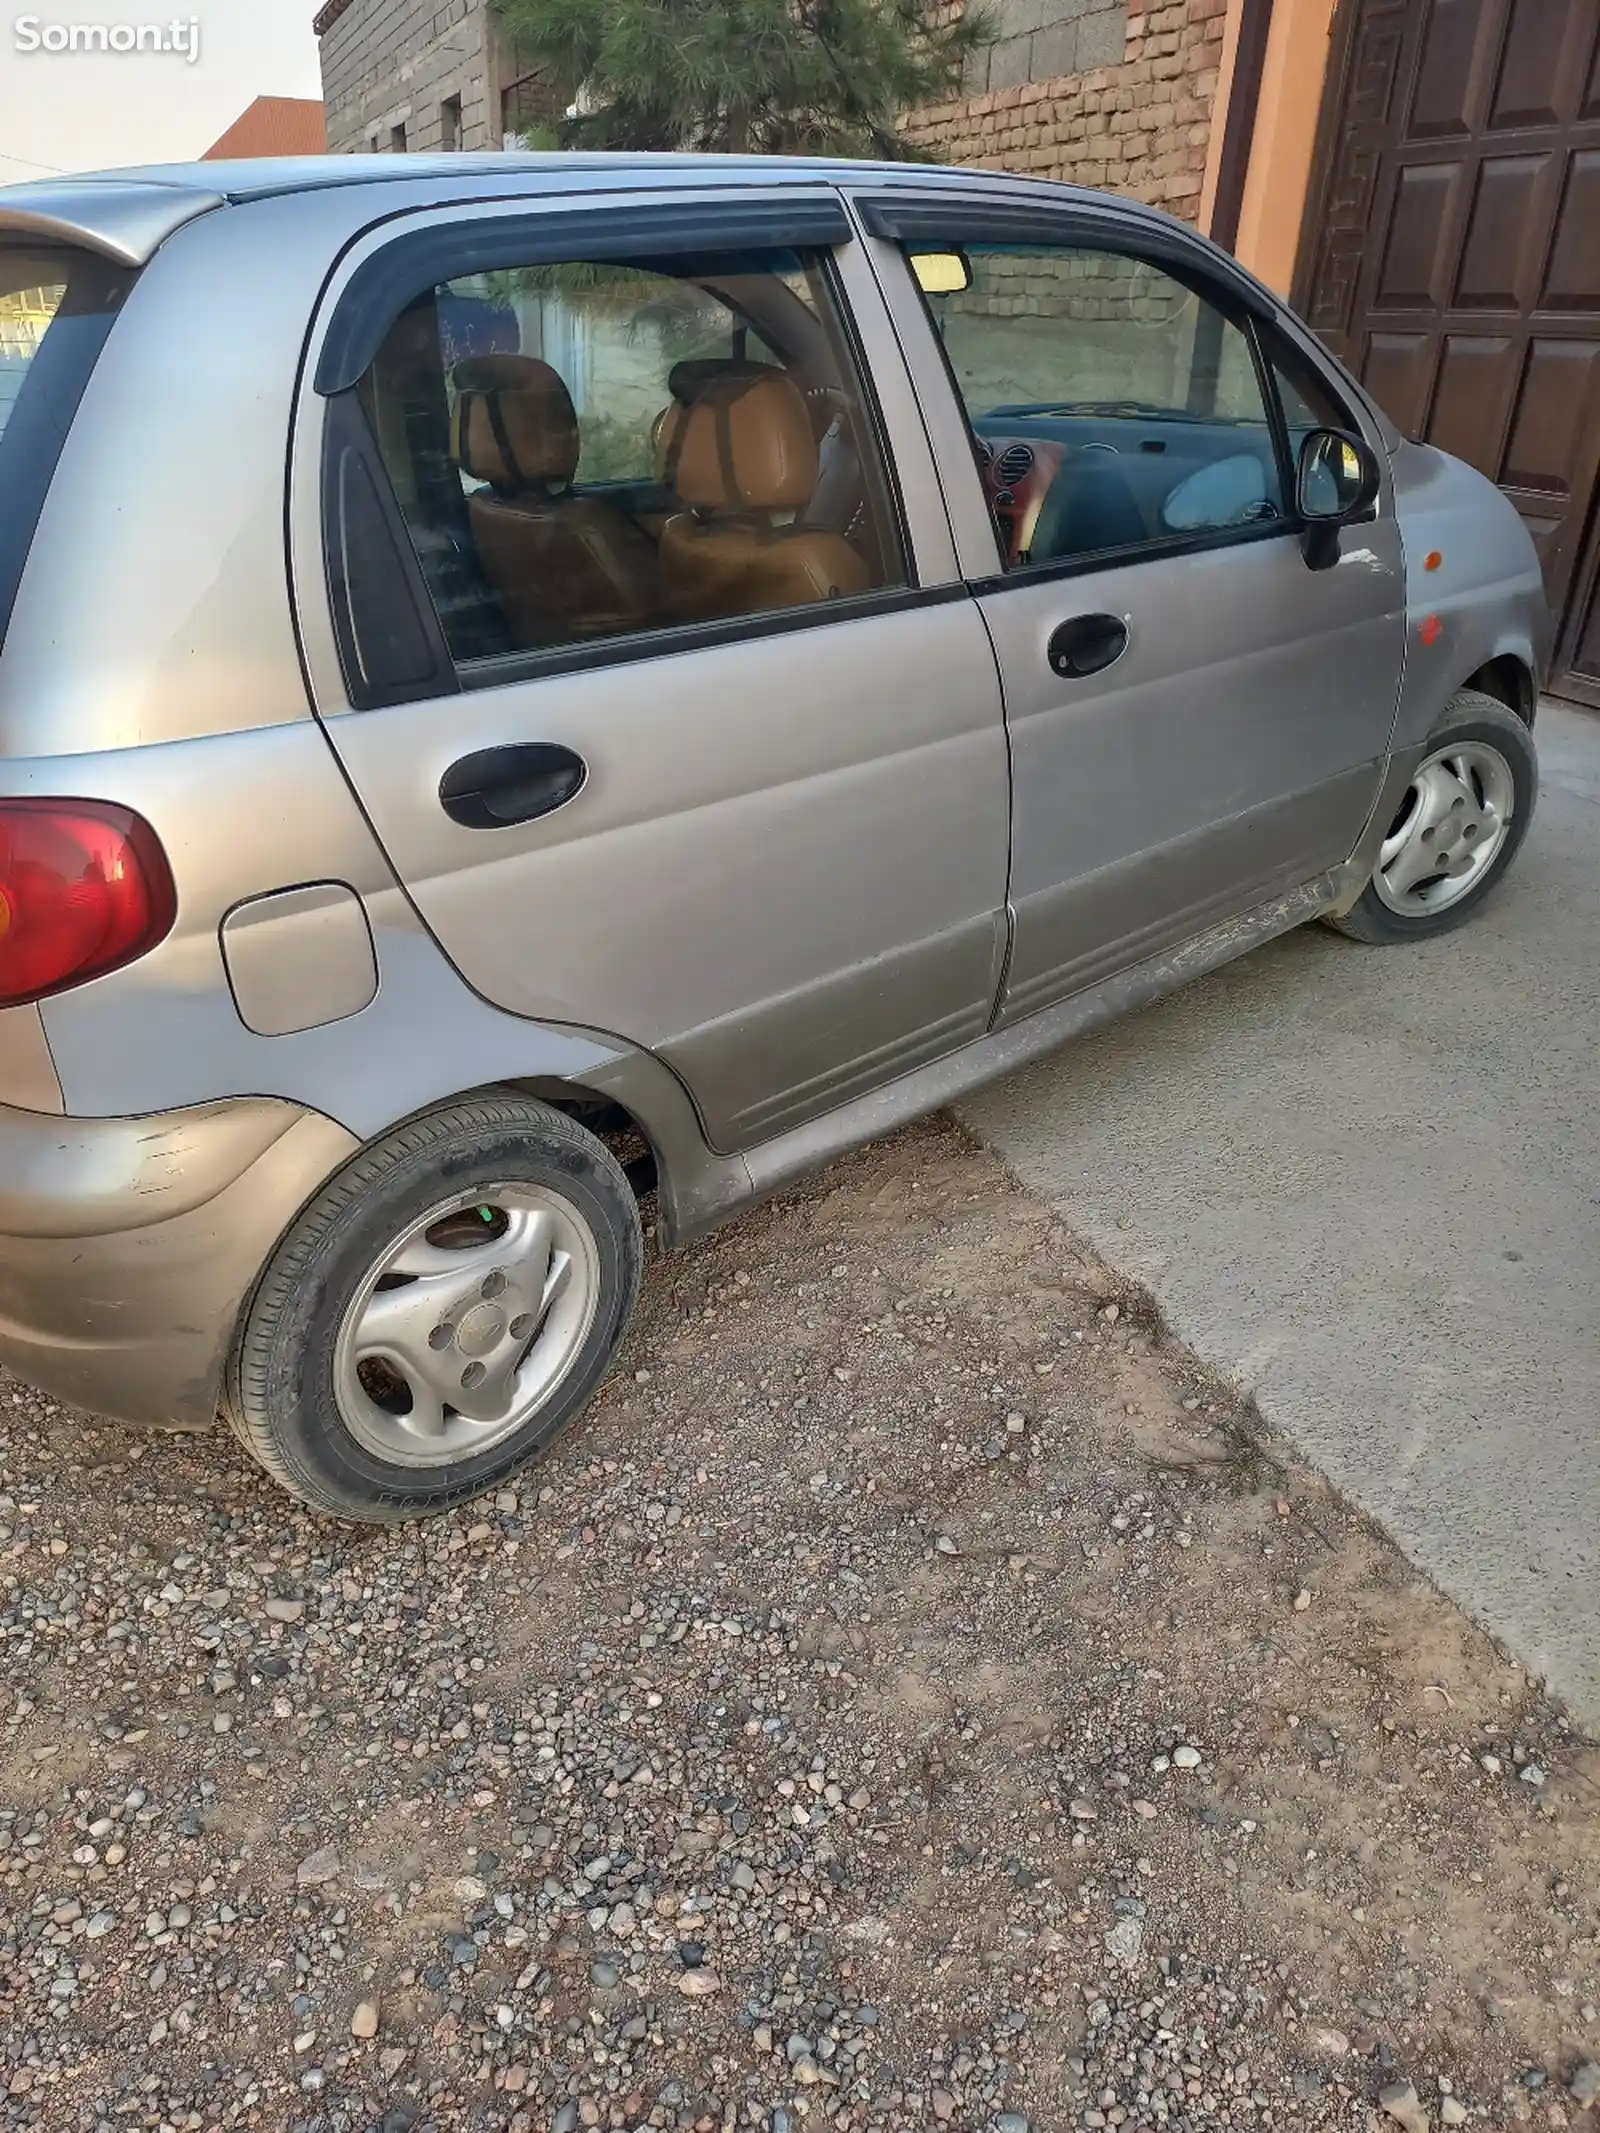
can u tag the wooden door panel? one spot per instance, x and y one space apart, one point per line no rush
1452 252
1554 416
1449 73
1548 48
1584 667
1416 271
1572 282
1504 251
1397 369
1472 398
1352 162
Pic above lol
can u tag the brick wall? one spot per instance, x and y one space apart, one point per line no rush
1110 93
388 63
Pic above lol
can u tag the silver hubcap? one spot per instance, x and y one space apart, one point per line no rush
466 1327
1452 822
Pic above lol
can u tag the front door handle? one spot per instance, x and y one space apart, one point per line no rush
495 787
1087 645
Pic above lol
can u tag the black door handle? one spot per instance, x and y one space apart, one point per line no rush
1087 644
496 787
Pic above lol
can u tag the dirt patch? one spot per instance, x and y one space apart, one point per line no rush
916 1693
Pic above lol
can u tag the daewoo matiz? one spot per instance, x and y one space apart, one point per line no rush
526 680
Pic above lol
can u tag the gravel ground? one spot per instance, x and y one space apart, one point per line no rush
916 1695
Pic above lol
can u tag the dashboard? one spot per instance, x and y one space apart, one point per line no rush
1017 473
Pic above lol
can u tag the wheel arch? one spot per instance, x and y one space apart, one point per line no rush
1511 682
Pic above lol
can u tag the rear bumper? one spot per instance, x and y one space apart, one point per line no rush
128 1245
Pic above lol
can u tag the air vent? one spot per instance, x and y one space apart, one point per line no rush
984 450
1013 465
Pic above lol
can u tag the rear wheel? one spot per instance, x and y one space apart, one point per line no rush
439 1313
1457 828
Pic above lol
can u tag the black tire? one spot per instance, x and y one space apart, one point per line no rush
1469 716
279 1391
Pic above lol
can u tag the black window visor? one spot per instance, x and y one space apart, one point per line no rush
383 285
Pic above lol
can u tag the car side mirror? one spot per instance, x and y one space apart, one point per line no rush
1337 479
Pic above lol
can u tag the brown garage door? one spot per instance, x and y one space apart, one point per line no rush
1452 256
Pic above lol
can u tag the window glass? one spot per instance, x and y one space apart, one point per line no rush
1308 404
56 309
582 450
1113 407
31 289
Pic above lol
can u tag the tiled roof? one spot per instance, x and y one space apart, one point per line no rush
274 126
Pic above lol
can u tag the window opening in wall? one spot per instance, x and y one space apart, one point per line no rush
450 124
397 140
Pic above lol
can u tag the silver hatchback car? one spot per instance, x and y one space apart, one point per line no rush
528 680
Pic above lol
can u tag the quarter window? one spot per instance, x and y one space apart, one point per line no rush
1113 407
584 450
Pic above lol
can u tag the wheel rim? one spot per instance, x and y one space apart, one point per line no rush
1451 827
466 1327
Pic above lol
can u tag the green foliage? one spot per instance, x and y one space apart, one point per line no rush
617 450
764 77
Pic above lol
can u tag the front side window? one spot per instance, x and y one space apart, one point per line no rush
587 449
1113 407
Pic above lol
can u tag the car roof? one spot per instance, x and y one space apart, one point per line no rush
252 177
128 213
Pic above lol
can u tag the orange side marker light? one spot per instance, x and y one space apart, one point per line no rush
1435 561
1432 630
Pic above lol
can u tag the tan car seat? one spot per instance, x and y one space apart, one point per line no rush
745 468
563 566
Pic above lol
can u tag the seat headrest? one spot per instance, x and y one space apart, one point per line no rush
746 445
687 380
515 425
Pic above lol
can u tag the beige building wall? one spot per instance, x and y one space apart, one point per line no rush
1284 139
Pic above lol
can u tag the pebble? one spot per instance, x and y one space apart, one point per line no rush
1401 2101
1585 2084
474 1833
1452 2111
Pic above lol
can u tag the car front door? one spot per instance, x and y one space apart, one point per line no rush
726 776
1198 720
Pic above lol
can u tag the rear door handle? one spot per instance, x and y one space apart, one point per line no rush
1087 644
496 787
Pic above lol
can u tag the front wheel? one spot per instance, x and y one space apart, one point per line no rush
439 1313
1457 828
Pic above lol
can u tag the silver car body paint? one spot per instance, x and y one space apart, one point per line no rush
778 917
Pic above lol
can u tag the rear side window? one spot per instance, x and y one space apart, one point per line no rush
56 308
585 450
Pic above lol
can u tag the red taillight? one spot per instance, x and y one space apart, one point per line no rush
84 888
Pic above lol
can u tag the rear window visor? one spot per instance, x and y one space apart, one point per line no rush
56 308
382 286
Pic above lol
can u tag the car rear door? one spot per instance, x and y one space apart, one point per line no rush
1198 720
760 832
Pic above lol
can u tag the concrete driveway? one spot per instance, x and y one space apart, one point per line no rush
1366 1182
